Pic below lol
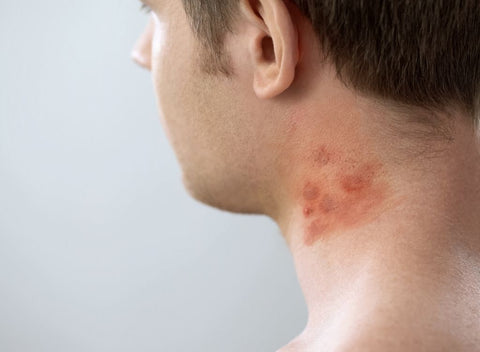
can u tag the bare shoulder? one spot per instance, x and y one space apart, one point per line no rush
442 340
395 341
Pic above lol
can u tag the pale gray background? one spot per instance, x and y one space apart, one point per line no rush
101 249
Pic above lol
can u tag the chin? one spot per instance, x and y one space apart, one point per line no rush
220 198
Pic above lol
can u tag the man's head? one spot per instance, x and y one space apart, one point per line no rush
421 52
248 87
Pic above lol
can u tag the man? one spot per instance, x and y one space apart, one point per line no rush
353 125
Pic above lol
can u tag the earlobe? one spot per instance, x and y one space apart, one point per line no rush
274 48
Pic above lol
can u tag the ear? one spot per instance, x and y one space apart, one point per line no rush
273 45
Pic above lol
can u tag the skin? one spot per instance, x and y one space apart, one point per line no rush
380 216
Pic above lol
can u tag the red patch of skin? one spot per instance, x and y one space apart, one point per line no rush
307 211
311 192
317 226
353 197
327 204
322 156
359 180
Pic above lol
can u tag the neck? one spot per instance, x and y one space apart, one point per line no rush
382 246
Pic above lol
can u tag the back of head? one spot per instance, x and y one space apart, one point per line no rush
422 53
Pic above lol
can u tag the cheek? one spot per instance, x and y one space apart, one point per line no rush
182 91
172 51
169 75
158 58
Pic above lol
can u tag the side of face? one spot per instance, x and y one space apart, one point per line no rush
224 136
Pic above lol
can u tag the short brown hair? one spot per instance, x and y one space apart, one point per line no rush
423 53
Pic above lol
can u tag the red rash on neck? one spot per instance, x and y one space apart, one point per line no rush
343 194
